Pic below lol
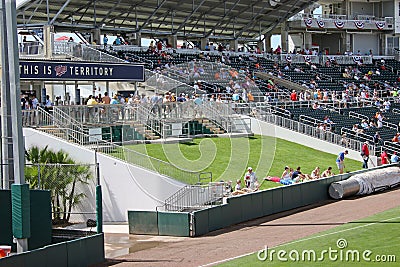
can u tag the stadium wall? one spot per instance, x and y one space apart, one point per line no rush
125 187
85 251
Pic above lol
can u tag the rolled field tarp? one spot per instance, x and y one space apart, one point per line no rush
366 183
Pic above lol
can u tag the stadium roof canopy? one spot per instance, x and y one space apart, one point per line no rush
214 19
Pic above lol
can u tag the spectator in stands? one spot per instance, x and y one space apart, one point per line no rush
386 105
91 101
106 99
364 124
372 122
340 161
394 158
293 96
379 118
344 141
114 100
327 120
365 154
384 157
377 139
395 138
278 50
327 173
356 129
105 41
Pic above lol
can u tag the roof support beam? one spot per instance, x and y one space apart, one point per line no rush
34 11
59 11
163 20
188 17
109 12
252 21
224 16
152 14
29 6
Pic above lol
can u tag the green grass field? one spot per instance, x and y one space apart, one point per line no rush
375 239
228 158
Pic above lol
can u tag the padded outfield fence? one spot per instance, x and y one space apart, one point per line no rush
236 210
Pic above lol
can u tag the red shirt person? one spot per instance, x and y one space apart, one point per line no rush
365 154
384 157
293 96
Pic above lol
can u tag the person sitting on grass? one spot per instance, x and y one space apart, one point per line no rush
250 178
286 175
327 173
241 191
315 174
298 176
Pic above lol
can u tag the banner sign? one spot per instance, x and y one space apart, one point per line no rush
79 71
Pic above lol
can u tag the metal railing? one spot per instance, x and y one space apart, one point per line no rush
313 132
386 124
27 49
347 60
83 52
196 196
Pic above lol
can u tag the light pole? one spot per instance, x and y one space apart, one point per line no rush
13 138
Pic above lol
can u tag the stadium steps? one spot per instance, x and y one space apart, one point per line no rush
210 126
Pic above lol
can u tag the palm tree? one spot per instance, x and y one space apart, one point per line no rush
61 175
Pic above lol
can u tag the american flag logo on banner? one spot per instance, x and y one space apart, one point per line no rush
356 59
307 59
308 22
339 24
359 24
60 70
321 23
380 25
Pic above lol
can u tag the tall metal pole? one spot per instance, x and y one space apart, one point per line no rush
6 136
11 75
11 87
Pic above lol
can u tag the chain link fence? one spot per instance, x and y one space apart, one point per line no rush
72 187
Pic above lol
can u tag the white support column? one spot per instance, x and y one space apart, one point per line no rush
96 36
173 41
234 44
267 41
48 39
203 43
307 40
284 37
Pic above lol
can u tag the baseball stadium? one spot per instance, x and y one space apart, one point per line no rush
199 133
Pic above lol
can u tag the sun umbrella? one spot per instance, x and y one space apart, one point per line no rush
62 38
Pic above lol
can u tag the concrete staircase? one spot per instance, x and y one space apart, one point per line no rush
211 126
54 130
141 129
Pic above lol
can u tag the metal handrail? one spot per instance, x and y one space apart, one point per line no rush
196 196
312 131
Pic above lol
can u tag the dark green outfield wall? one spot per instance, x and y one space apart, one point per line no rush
40 219
84 251
238 209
